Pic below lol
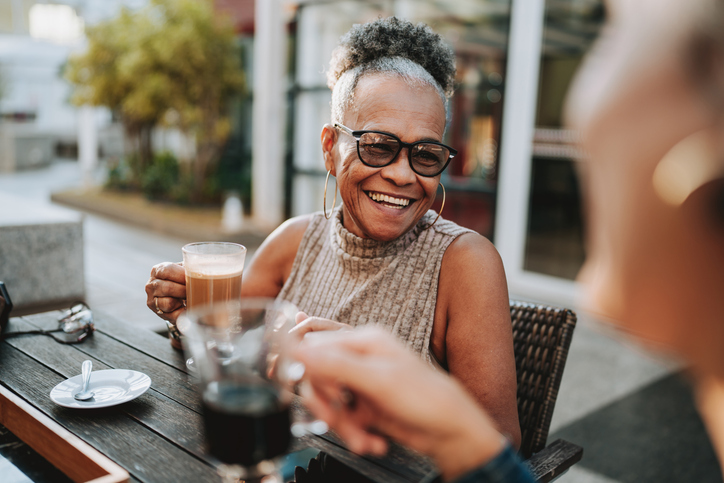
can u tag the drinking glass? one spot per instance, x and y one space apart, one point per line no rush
242 351
213 274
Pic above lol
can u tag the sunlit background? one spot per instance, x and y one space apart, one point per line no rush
134 136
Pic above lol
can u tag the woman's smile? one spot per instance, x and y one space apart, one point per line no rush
388 201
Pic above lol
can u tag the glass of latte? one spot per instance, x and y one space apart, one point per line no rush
213 274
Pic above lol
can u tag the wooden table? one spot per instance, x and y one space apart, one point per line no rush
158 437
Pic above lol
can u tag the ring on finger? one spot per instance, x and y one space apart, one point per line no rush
158 311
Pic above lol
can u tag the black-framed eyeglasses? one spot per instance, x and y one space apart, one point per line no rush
74 326
378 149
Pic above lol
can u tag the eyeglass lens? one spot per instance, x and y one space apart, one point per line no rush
377 149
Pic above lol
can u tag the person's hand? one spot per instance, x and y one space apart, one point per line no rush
306 324
166 290
366 386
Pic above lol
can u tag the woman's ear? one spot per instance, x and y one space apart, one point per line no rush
329 140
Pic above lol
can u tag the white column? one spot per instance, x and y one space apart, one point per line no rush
87 143
511 215
268 114
18 17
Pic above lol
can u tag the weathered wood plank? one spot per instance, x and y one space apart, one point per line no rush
55 444
399 464
143 453
167 380
399 461
374 472
142 340
174 421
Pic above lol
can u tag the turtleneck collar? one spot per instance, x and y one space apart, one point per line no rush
352 245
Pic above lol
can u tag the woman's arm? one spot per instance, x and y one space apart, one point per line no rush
272 263
473 332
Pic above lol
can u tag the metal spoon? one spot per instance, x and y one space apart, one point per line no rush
85 394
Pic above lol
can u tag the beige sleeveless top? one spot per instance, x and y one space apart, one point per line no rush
359 281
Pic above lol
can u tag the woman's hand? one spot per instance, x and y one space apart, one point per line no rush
366 385
306 324
166 290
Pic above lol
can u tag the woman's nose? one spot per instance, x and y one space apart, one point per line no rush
399 171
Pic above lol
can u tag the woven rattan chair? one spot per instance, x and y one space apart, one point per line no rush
541 338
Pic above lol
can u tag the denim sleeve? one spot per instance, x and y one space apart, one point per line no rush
504 468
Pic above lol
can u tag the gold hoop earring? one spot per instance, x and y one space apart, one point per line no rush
441 206
325 196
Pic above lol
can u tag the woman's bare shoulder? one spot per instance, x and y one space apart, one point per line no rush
285 239
273 260
472 247
472 263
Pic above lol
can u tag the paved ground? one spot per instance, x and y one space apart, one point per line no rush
632 413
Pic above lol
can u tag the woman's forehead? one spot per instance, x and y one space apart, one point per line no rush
380 98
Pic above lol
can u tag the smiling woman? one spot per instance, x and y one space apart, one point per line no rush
383 257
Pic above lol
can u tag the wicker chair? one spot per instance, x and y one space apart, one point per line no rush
541 338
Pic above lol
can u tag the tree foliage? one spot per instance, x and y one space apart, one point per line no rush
173 63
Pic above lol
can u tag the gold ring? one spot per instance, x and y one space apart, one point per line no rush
158 311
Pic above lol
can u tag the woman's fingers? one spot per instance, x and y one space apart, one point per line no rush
169 271
316 324
301 317
168 304
166 290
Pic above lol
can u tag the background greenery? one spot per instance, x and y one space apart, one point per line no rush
174 63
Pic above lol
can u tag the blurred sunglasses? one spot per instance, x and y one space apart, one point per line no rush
378 149
74 326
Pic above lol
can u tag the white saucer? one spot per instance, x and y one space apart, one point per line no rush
111 387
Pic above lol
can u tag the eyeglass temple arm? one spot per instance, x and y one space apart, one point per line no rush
29 332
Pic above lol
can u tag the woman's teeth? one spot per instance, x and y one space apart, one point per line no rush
397 203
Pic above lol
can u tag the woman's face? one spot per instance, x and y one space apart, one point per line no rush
387 104
653 267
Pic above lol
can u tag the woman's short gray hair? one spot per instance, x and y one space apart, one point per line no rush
391 47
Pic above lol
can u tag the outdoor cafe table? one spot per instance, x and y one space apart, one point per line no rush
157 437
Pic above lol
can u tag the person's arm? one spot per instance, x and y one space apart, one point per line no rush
272 264
475 339
368 386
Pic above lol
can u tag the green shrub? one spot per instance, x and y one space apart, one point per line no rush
161 177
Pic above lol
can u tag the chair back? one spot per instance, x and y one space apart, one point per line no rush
541 338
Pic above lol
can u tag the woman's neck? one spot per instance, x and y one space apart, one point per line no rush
710 400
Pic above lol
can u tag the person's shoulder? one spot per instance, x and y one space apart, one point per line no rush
291 231
471 249
445 227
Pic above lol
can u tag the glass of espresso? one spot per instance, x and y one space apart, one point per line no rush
241 352
213 274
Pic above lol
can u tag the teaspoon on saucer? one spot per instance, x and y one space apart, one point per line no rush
84 393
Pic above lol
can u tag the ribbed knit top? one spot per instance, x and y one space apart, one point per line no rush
360 281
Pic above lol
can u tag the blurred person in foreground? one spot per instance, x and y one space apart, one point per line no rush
649 105
383 257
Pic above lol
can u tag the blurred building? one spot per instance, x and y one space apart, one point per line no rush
37 123
514 177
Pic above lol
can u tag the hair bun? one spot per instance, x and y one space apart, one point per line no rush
393 37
